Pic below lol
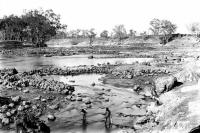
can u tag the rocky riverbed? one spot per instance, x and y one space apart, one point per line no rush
150 96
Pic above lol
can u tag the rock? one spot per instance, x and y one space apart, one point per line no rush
26 91
11 105
8 114
34 107
107 100
79 99
26 106
24 103
147 91
54 107
87 101
129 76
16 99
89 106
100 93
20 108
137 88
146 82
73 81
142 120
73 98
2 116
43 100
38 98
93 84
68 97
90 57
108 90
4 107
164 84
5 121
51 117
13 111
38 114
65 92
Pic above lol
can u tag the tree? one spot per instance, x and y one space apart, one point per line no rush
104 34
132 33
91 35
41 25
164 28
155 26
120 32
12 27
194 28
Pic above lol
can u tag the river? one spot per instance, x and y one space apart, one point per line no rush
29 63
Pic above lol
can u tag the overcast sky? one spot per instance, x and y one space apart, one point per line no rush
105 14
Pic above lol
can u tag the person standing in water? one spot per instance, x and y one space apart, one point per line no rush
84 117
108 118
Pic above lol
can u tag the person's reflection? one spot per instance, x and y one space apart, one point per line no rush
84 121
107 130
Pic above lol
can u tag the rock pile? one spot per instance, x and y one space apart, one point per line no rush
12 80
131 73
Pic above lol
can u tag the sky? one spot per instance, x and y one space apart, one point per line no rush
105 14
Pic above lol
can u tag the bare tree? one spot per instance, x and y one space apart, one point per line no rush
162 27
165 28
120 32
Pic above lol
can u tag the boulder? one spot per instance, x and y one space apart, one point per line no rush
147 91
16 99
13 111
8 114
20 108
11 105
137 88
87 101
164 84
51 117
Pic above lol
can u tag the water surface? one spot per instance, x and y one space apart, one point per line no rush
29 63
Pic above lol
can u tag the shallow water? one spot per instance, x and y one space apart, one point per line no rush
81 80
66 125
29 63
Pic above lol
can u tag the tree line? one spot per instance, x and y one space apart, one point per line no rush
38 26
162 28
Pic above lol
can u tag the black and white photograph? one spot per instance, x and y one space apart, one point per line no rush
99 66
